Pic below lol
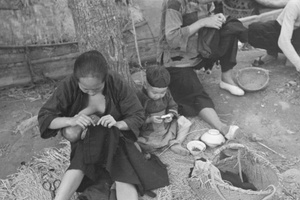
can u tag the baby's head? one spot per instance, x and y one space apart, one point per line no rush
90 69
158 80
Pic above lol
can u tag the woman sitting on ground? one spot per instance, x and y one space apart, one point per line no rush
181 20
101 116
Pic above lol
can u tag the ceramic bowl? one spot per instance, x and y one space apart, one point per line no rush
212 138
196 147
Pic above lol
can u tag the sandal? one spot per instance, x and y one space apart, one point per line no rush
258 62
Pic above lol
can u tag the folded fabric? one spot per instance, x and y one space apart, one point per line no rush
213 42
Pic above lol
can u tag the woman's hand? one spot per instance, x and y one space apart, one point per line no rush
214 21
107 121
81 120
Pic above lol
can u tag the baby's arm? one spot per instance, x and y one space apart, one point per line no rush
80 119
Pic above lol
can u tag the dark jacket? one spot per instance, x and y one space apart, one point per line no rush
68 100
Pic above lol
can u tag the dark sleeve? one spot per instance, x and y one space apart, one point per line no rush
56 106
172 105
139 95
130 107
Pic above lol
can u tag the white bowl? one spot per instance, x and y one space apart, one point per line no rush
196 147
212 138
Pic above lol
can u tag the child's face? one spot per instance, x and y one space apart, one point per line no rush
91 85
155 93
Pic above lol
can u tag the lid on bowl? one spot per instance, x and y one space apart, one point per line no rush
214 132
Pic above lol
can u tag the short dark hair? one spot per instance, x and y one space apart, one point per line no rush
158 76
91 63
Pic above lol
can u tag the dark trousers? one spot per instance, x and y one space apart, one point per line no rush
265 35
188 91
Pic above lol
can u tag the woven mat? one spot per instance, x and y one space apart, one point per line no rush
179 168
27 182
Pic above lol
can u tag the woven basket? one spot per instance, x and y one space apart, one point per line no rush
237 10
252 79
260 172
241 4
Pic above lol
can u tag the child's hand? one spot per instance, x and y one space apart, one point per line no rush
107 121
156 119
81 120
169 118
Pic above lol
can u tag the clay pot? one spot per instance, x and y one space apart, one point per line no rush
213 138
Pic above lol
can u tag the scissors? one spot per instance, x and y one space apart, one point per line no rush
50 185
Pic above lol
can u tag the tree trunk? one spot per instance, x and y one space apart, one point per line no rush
98 27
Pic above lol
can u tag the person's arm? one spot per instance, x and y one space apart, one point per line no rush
213 21
55 108
81 120
287 29
172 105
121 125
59 122
133 115
177 36
54 114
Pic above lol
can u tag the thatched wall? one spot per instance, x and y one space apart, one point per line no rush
37 39
36 22
23 65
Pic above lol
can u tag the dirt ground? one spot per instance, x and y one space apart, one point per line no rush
269 117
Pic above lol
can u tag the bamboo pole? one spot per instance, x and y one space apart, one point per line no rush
272 15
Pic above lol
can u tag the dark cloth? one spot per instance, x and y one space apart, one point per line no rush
221 44
214 44
68 100
99 190
265 35
188 91
96 152
151 173
127 165
100 146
